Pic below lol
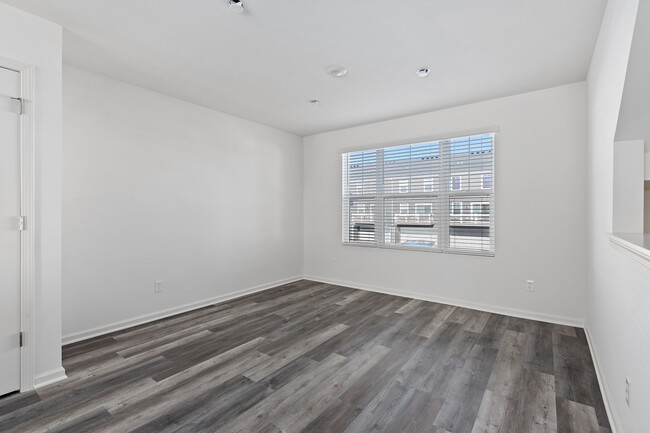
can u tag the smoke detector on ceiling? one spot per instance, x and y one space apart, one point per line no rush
423 72
236 6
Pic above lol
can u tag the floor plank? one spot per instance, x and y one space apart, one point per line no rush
575 417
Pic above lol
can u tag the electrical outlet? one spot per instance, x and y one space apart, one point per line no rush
627 391
333 262
530 285
157 286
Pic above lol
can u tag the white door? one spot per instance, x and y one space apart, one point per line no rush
9 231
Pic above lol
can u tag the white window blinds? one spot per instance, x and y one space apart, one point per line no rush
434 196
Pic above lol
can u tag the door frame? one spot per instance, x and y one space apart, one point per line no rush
27 235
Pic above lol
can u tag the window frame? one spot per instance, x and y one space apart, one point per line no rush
435 195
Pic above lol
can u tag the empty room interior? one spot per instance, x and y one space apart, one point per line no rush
329 216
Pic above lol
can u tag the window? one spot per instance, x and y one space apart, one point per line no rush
432 196
480 211
487 181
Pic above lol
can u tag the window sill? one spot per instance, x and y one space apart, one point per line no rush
635 245
422 249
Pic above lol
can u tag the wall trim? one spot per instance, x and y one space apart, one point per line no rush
615 424
631 249
49 377
524 314
139 320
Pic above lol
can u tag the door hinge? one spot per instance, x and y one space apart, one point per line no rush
22 339
21 101
21 223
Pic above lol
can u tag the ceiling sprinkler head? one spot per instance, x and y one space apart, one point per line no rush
236 6
337 71
423 72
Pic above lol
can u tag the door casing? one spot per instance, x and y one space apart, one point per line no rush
27 236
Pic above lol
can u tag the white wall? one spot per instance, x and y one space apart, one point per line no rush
619 287
646 207
32 41
628 187
540 185
155 188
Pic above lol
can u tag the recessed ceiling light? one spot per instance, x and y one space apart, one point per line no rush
314 101
236 6
337 71
423 72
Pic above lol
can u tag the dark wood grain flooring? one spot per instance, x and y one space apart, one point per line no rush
313 357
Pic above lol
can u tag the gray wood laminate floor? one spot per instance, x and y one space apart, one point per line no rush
312 357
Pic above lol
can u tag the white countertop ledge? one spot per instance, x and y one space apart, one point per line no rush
635 245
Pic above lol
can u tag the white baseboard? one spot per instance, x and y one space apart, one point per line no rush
614 423
524 314
128 323
49 377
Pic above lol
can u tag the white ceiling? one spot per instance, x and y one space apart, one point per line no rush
265 64
634 116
